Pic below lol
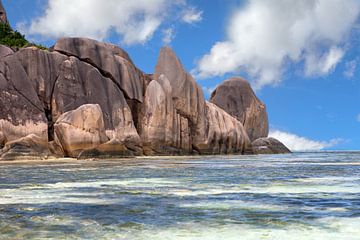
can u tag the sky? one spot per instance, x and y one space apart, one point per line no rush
301 57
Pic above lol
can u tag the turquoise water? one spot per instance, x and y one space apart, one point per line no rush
296 196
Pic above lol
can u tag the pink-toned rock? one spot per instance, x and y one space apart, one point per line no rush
269 146
80 129
5 51
21 110
237 98
112 61
31 147
225 134
188 98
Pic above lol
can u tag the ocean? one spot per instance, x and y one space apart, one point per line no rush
290 196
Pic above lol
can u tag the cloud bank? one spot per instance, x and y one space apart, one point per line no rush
264 35
297 143
135 21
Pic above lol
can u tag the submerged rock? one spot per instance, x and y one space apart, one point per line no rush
237 98
269 146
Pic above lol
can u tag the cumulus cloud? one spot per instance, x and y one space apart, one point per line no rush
135 21
192 15
264 35
297 143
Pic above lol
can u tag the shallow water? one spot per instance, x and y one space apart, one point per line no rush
296 196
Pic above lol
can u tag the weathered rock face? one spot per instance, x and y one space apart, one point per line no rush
225 134
5 51
3 18
188 100
112 61
65 83
21 111
269 146
80 129
30 147
237 98
86 99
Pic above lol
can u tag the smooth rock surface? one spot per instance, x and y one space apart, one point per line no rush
225 134
237 98
22 113
5 51
80 129
110 60
26 148
269 146
188 98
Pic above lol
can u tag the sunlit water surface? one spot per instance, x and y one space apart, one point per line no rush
297 196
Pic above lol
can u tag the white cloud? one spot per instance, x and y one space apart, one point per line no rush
322 65
297 143
192 15
168 36
264 35
135 21
350 68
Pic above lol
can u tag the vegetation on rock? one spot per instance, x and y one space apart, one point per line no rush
14 39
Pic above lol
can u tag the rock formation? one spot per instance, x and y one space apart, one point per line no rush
269 146
83 98
3 18
237 98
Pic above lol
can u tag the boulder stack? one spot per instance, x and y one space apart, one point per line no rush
83 98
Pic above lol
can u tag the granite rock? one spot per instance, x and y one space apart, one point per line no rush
109 59
269 146
237 98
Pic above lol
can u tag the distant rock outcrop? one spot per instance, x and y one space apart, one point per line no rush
84 98
269 146
3 17
237 98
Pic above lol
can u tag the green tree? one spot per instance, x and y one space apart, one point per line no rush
10 37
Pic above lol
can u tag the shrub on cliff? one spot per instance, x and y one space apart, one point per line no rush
10 37
13 38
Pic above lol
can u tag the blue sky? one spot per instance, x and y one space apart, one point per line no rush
301 56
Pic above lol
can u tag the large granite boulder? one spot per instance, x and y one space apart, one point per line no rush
269 146
163 130
188 98
22 113
5 51
225 134
237 98
3 18
31 147
65 83
43 69
80 129
110 60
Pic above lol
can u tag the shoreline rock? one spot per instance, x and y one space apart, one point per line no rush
87 99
